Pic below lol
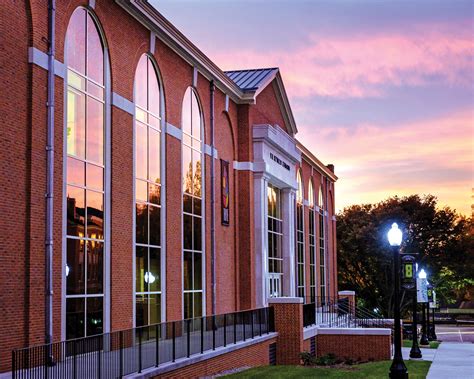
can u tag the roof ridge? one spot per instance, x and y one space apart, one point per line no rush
252 69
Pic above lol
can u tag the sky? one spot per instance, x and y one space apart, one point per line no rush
382 89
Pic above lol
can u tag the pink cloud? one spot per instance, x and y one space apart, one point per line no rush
431 156
357 66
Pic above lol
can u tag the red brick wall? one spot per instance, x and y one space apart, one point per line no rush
289 326
251 356
358 347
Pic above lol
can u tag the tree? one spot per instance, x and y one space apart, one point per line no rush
441 238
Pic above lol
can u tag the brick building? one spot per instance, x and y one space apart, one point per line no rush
141 183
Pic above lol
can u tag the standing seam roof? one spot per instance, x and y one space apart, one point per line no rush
250 79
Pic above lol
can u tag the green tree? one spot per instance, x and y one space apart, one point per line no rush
441 238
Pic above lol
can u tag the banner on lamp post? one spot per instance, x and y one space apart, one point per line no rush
433 304
422 290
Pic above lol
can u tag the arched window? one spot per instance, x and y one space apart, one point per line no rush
299 237
85 173
147 194
312 243
322 246
193 204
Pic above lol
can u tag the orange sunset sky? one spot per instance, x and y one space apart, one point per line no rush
383 90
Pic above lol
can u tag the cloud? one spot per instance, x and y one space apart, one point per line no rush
361 65
430 156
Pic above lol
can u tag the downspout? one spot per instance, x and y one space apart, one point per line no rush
326 239
50 176
213 211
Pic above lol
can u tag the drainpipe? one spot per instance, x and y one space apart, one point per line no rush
213 210
326 239
50 176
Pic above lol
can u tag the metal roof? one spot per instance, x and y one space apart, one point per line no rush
252 80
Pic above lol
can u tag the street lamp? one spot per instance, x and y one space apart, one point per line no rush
424 338
415 352
398 368
435 337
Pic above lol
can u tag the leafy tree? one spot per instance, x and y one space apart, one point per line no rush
441 238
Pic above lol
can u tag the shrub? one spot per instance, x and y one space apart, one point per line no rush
307 358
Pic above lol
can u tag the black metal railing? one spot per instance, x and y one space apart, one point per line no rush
124 352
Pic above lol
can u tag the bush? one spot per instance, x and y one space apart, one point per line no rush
326 360
307 358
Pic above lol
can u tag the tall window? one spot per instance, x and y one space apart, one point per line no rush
299 238
85 131
275 234
147 194
312 244
192 206
322 254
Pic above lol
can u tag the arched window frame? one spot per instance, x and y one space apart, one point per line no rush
155 126
106 98
195 145
312 241
300 258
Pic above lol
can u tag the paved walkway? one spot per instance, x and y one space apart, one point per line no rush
427 354
453 361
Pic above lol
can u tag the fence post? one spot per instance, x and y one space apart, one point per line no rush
202 335
235 327
13 364
260 321
157 348
188 338
140 330
243 323
225 330
213 332
173 330
121 353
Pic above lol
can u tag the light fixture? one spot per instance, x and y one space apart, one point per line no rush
67 270
394 235
149 277
422 274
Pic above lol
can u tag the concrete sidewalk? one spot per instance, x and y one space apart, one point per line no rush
427 354
453 361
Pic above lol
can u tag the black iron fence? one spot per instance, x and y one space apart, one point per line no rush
340 312
115 354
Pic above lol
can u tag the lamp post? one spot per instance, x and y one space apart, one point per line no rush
429 328
415 352
424 338
398 368
435 337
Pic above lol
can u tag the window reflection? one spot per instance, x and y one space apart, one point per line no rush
85 128
147 193
192 198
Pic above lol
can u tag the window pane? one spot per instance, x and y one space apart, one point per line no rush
197 233
95 214
153 90
95 53
141 115
187 232
154 270
76 41
197 271
155 222
188 305
187 270
155 309
75 211
197 173
141 266
141 142
196 117
95 131
186 112
76 123
75 171
142 223
197 206
141 306
187 171
187 203
95 90
95 266
75 80
75 268
95 177
197 304
141 83
154 121
141 190
94 316
74 318
154 157
155 194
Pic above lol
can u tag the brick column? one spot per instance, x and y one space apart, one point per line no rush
288 312
352 299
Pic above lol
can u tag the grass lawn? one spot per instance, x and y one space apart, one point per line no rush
433 344
372 370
